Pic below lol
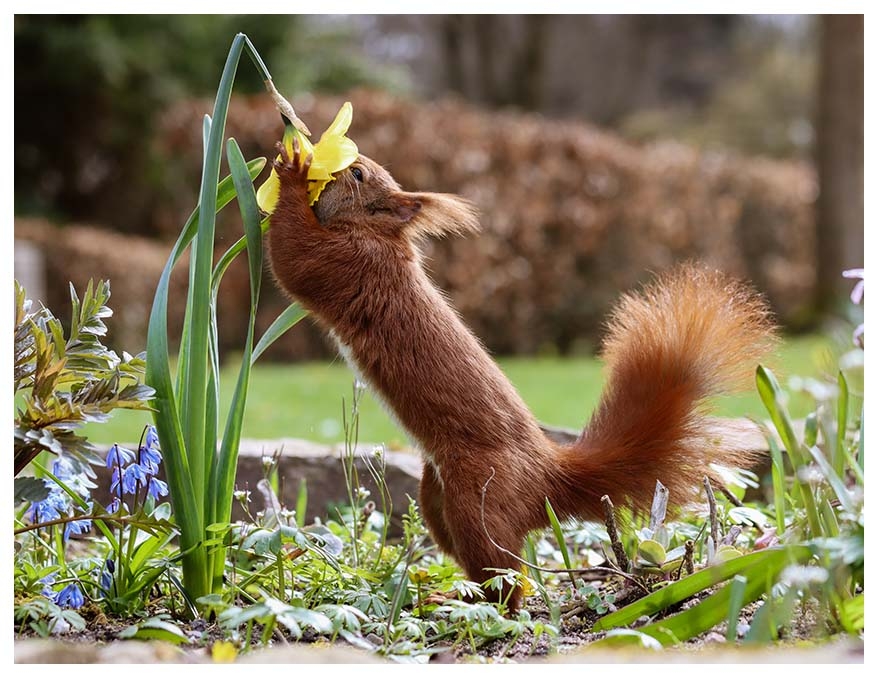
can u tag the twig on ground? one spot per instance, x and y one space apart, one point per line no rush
615 543
688 556
712 512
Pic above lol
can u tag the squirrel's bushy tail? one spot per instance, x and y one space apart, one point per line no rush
691 334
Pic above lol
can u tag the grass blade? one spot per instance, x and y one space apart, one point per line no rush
559 534
301 503
841 425
770 394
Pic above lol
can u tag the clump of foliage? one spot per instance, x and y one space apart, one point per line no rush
123 565
61 383
201 462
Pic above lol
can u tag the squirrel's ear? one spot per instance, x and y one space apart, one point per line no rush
440 214
405 207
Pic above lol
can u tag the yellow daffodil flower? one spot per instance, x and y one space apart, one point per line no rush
331 154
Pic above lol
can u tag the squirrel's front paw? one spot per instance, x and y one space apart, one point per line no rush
292 171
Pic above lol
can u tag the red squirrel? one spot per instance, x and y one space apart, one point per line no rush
353 261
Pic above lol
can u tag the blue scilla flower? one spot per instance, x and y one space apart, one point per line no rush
48 591
106 577
72 476
149 455
157 488
51 508
119 456
131 476
70 596
152 437
114 483
150 458
78 526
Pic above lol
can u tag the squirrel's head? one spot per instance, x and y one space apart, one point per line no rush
365 196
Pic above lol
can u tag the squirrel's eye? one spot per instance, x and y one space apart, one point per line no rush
358 173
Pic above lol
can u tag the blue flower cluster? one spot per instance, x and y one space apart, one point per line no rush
133 475
58 504
69 596
135 472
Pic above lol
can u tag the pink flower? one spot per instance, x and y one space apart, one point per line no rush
767 539
858 291
857 297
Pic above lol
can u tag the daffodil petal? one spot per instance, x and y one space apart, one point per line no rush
336 154
268 193
315 188
339 126
318 173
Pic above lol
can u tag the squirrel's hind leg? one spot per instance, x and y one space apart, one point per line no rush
475 551
432 502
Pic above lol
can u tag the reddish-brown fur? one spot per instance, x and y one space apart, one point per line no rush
353 262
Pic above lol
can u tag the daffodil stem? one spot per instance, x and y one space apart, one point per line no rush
285 108
256 58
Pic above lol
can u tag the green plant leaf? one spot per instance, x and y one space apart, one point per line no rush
700 581
836 483
841 424
760 573
158 375
223 471
30 489
738 588
155 629
198 365
778 494
770 394
627 638
559 533
652 552
288 317
851 614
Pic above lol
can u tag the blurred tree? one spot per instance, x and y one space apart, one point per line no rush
764 104
840 156
599 66
88 90
735 81
481 62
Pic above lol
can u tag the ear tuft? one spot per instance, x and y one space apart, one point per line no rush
441 214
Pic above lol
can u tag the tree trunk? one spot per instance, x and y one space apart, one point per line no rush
840 157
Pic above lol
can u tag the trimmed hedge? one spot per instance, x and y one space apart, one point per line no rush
571 215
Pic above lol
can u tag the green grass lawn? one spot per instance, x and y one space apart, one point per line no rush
305 400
